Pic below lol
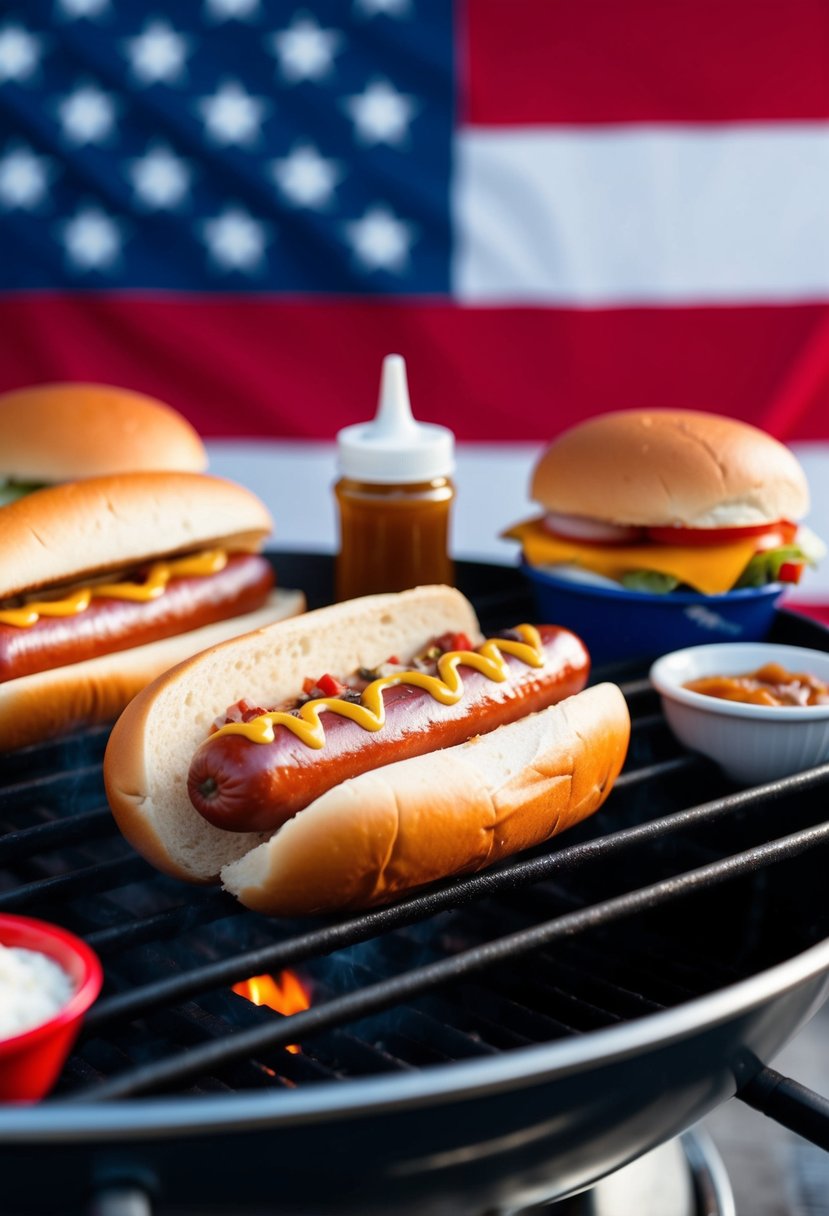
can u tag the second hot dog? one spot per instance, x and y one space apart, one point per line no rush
261 767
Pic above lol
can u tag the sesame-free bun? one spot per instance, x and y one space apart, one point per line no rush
68 532
54 702
387 831
660 468
61 432
149 752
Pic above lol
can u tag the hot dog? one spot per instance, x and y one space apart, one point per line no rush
243 785
240 583
105 582
323 839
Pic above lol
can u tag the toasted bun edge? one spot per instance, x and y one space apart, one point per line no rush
149 751
455 811
79 529
51 703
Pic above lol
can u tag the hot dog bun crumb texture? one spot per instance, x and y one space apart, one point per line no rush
385 831
50 703
65 431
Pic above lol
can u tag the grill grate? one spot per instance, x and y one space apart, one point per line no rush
676 888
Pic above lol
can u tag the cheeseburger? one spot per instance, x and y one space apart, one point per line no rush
52 433
658 500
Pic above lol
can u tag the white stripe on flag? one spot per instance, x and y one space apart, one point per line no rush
642 214
280 471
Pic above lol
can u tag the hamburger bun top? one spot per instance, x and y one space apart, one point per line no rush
62 432
661 468
67 533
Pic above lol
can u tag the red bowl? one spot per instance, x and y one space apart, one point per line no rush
30 1062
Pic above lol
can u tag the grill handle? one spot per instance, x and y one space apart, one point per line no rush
789 1103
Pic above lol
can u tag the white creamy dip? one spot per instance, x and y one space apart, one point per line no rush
32 989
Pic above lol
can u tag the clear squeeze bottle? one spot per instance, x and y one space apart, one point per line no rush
394 496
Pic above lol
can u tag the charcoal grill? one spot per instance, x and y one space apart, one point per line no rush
489 1043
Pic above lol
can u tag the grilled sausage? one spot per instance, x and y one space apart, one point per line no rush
246 786
109 625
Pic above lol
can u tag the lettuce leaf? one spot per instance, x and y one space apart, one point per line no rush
10 491
651 581
765 567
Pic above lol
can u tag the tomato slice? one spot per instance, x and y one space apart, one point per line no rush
780 533
790 572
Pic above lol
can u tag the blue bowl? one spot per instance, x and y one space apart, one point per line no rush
635 625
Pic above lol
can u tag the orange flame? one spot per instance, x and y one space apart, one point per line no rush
285 993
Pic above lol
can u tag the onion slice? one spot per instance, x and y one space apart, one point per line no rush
591 531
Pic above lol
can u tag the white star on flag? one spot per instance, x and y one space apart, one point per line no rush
232 115
380 240
305 50
236 241
74 10
390 8
230 10
380 114
87 115
20 53
92 240
160 178
24 179
158 54
306 178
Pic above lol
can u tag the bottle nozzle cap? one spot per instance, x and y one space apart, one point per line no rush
394 409
394 447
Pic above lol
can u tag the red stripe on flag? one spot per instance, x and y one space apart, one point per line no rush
609 61
263 367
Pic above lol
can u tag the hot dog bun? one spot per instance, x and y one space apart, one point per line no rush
451 812
50 703
67 537
61 432
398 827
80 529
152 743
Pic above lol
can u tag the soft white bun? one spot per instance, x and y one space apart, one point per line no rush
61 432
668 467
65 533
51 703
149 752
455 811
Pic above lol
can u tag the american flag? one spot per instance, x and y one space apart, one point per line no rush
550 207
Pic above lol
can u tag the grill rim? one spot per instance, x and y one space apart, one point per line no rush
172 1117
177 1117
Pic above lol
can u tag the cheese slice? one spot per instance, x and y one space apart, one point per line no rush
711 569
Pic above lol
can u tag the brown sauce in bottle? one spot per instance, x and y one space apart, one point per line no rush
394 497
392 537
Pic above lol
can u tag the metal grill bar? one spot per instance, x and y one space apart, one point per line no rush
382 995
662 768
198 910
97 877
51 786
56 834
457 892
